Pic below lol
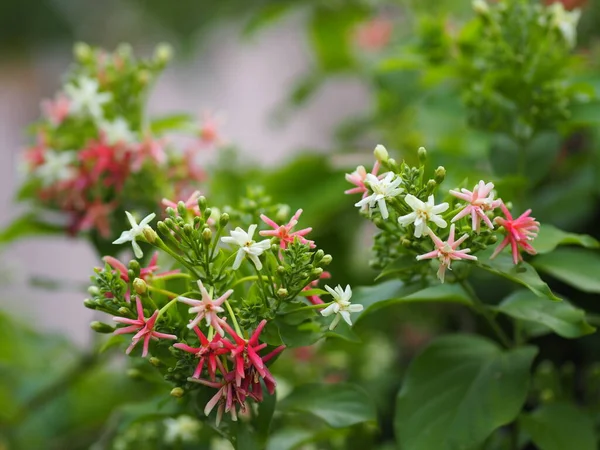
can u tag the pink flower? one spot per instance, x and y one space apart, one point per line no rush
152 149
57 110
519 232
315 299
97 215
144 328
209 129
374 34
145 272
207 308
358 178
284 232
478 202
207 352
191 204
447 252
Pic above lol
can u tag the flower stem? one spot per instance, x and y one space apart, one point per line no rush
163 292
483 310
305 308
244 279
233 320
164 308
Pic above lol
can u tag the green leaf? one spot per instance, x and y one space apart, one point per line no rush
441 293
339 405
269 14
522 273
561 317
311 292
402 264
28 225
574 266
173 122
288 438
558 426
458 391
550 237
262 421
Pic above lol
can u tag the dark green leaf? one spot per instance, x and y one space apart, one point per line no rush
311 292
560 426
403 263
551 237
288 438
339 405
267 15
562 317
458 391
28 225
262 421
574 266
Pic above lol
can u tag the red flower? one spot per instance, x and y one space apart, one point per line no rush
207 352
519 232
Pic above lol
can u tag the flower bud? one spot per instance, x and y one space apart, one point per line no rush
135 374
304 275
140 286
181 209
143 77
439 174
93 290
207 212
283 212
326 260
381 153
155 361
135 267
188 229
393 165
282 292
431 184
82 51
422 153
101 327
89 303
202 203
318 256
124 50
207 234
480 7
406 243
177 392
280 270
163 53
274 247
123 311
223 220
163 229
315 274
150 234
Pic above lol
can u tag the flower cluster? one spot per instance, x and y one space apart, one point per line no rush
228 301
403 205
95 146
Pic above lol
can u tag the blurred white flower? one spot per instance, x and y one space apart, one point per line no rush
181 429
85 97
57 166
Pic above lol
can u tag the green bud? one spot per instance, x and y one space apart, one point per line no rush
202 203
393 165
223 220
439 174
170 212
177 392
422 153
326 260
163 229
188 229
280 270
135 267
150 234
274 247
207 234
131 274
124 50
406 243
93 290
181 209
140 286
135 374
101 327
143 77
481 7
82 51
123 311
318 256
89 303
282 292
304 275
431 184
163 53
381 153
315 274
207 212
155 361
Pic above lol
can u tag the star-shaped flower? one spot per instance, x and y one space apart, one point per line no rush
479 201
248 247
191 204
57 167
341 305
56 110
383 189
136 230
358 177
447 251
565 22
117 132
519 232
85 97
144 328
284 232
207 308
208 351
423 213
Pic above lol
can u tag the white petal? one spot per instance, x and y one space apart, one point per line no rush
414 202
328 311
407 219
125 237
131 219
383 209
346 316
238 259
335 321
137 251
355 308
255 260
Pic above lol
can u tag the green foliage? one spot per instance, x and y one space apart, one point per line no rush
576 267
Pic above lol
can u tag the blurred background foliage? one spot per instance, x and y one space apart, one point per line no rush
418 59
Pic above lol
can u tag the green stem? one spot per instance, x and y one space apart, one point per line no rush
305 308
483 310
261 285
164 308
172 276
177 257
163 292
244 279
233 320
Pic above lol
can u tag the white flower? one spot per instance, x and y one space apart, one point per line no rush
383 189
85 97
248 247
565 22
182 429
423 213
117 131
341 305
57 166
136 230
480 7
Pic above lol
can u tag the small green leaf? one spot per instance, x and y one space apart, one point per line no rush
262 421
561 317
560 426
576 267
28 225
458 391
173 122
311 292
550 237
288 438
339 405
522 273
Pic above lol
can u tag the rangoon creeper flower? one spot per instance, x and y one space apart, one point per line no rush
480 200
447 251
341 305
57 166
183 428
57 110
117 132
136 230
358 177
248 247
85 97
519 232
207 308
191 204
208 352
144 328
423 213
284 232
383 189
565 22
